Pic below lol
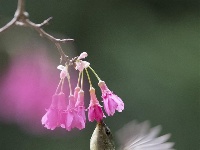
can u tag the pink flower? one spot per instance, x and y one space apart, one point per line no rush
80 105
73 120
53 117
80 65
62 107
76 90
94 110
64 71
26 91
82 55
111 101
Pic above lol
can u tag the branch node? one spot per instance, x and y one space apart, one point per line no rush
19 23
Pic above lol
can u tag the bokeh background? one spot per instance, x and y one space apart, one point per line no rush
147 51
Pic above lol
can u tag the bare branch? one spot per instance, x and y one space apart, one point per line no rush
21 18
62 54
21 6
45 22
8 25
45 34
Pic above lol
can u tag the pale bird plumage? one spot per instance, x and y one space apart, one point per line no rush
132 136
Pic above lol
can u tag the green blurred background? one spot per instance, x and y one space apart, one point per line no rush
147 51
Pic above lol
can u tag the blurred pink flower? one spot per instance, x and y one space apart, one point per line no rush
111 101
26 89
94 110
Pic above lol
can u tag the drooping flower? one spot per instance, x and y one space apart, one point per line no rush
111 101
62 107
94 110
76 90
23 101
80 64
80 105
64 71
73 120
53 117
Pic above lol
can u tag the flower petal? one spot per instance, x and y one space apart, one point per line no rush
80 65
82 55
60 67
50 119
69 119
111 101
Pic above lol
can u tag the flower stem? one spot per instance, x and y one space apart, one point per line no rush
69 82
88 77
79 75
61 89
58 86
82 80
70 87
94 73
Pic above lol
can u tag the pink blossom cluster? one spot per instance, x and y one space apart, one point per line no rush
63 115
70 112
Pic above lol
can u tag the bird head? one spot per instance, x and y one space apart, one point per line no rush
102 138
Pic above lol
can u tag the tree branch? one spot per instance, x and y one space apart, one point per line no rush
21 18
8 25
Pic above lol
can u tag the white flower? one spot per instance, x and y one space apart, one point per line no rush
80 65
64 71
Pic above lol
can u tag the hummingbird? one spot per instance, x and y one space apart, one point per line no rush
132 136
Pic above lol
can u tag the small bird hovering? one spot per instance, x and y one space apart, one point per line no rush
133 136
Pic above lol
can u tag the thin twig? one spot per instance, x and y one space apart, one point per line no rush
8 25
63 57
38 28
21 18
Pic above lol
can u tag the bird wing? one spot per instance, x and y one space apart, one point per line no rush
140 136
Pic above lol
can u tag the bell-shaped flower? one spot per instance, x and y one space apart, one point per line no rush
62 107
73 120
76 90
64 71
111 101
51 119
80 105
80 64
94 110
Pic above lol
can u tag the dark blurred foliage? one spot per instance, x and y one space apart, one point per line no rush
147 52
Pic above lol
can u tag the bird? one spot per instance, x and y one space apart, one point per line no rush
132 136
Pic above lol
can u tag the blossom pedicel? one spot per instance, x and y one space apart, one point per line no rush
69 112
